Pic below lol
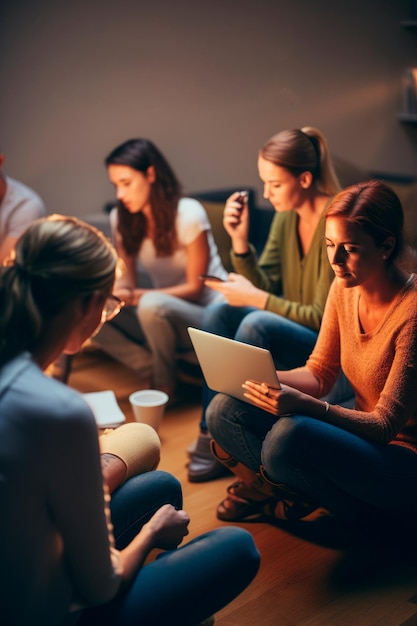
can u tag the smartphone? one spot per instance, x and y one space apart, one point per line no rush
209 277
242 198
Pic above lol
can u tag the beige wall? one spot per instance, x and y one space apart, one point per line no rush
207 80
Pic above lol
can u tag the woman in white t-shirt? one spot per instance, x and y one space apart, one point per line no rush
166 243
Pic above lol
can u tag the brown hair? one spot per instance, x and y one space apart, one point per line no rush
140 154
376 208
303 150
57 259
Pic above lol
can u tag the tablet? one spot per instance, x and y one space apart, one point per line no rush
226 363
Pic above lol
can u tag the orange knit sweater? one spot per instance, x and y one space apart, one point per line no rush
381 366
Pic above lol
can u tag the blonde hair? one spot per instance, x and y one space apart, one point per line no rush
56 260
303 150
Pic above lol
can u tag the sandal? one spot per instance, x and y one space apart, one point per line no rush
299 511
240 503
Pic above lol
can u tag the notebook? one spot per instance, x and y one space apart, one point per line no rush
226 363
106 410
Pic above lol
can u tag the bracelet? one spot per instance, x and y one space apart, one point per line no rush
327 407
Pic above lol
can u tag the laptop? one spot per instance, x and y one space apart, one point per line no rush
226 363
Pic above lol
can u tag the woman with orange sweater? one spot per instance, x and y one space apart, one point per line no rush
296 456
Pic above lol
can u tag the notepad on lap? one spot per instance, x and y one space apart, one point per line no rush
226 363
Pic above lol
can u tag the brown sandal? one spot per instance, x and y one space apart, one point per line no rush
240 503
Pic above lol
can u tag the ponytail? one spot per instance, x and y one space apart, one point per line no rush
56 260
303 150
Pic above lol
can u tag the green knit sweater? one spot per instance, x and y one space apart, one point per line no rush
298 286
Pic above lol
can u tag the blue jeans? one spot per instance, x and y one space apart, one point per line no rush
181 586
289 343
330 466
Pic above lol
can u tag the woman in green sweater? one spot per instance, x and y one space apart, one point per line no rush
275 302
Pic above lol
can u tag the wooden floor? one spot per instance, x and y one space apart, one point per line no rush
314 576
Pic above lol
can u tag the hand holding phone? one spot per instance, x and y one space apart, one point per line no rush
236 216
242 198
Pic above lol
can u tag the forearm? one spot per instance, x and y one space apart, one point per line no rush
165 530
302 379
134 555
240 244
185 291
308 315
263 278
314 407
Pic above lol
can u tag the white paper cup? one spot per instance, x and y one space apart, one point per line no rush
148 406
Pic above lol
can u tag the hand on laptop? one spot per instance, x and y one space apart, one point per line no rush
285 400
278 401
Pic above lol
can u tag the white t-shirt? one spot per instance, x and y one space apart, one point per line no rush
20 206
191 221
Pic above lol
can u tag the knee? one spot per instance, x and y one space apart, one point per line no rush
251 327
148 449
284 444
151 305
258 327
170 485
136 444
237 547
219 406
213 316
159 483
164 479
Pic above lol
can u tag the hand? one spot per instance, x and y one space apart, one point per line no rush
130 296
236 222
124 293
276 401
168 527
239 291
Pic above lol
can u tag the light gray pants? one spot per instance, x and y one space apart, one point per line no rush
148 338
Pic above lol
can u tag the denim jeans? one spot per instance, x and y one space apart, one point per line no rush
182 586
289 343
330 466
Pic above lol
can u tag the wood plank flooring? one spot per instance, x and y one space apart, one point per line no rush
311 576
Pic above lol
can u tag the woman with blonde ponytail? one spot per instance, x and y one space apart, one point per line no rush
70 554
277 301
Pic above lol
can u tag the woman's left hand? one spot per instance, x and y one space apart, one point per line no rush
276 401
239 291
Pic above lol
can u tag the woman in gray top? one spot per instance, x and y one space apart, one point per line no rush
65 547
